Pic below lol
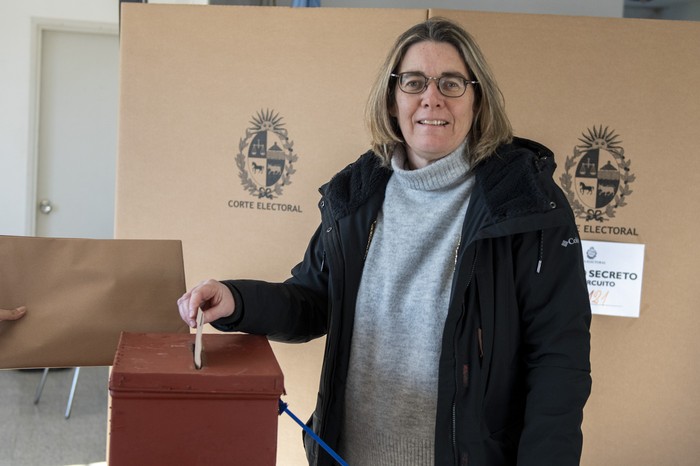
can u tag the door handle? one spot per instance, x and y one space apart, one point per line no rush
45 206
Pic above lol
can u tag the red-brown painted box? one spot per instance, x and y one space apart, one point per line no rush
166 412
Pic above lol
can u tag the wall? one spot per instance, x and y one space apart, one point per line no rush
687 11
17 43
610 8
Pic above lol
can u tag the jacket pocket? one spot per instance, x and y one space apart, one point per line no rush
502 445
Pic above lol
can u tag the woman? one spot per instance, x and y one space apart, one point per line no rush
456 314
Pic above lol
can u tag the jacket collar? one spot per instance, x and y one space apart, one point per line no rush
509 181
355 184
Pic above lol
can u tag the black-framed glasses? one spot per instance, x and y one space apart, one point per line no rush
413 82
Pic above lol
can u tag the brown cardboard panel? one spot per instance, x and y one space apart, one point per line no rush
564 78
193 81
81 294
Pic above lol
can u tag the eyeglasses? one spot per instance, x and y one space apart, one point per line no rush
412 82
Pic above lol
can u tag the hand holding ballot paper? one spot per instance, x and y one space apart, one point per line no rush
212 297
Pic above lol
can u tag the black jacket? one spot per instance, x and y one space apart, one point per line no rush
514 371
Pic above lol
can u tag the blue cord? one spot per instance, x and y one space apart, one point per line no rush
284 409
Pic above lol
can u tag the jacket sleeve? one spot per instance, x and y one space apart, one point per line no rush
292 311
555 330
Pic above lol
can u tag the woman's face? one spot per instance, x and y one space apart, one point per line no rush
432 125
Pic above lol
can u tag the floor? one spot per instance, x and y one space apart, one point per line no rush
39 434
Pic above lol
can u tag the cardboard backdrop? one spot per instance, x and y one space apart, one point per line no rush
232 117
81 294
201 86
569 83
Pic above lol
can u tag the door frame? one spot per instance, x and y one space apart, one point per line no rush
38 27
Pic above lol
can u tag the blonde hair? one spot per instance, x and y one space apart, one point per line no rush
490 127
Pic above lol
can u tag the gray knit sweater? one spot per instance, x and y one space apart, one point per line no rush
402 303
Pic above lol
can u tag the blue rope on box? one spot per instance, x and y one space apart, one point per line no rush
284 409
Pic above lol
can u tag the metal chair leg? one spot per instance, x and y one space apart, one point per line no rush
40 387
76 373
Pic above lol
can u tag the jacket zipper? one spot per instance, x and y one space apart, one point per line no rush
329 224
459 243
454 349
369 239
454 404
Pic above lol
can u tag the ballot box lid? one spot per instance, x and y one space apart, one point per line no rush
232 364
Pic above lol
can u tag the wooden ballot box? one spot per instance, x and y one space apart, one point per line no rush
164 411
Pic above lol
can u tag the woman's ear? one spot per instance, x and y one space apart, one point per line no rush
392 110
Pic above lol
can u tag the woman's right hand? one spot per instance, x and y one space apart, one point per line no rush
213 297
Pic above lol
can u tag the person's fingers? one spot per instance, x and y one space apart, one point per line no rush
202 294
183 306
206 295
213 297
13 314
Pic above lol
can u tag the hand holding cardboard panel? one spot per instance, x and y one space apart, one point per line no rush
81 294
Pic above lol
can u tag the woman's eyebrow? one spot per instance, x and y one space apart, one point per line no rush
444 73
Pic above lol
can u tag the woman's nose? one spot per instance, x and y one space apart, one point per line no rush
432 96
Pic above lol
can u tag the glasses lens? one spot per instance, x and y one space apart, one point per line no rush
452 86
412 83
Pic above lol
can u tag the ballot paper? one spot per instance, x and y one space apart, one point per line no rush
198 340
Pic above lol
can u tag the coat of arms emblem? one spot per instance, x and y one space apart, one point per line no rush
601 176
265 158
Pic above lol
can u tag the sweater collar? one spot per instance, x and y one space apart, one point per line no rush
442 173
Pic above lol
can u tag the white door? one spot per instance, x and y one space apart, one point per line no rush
77 134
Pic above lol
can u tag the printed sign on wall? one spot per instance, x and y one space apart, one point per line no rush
614 277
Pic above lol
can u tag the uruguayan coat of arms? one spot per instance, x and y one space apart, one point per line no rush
265 156
597 176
